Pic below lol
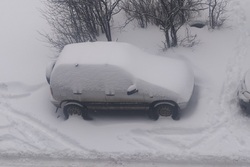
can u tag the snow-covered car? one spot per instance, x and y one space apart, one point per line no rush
118 76
243 92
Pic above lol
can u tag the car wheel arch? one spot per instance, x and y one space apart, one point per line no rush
160 102
71 102
83 108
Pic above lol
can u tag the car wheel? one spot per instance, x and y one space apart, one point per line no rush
167 110
164 109
176 115
152 114
243 107
75 109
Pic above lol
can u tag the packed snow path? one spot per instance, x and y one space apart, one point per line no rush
48 162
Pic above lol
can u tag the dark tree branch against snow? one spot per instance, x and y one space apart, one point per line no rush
104 10
75 21
169 15
216 9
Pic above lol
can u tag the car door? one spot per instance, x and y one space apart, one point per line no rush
82 83
121 91
90 86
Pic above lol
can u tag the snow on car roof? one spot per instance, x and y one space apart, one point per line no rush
166 72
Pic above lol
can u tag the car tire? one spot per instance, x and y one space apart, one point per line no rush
152 114
166 110
75 109
176 115
243 107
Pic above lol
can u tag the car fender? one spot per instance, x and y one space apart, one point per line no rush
66 103
172 103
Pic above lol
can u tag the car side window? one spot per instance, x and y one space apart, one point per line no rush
117 79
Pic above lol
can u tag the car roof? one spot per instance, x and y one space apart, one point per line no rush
116 53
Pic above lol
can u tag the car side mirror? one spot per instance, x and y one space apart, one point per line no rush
132 90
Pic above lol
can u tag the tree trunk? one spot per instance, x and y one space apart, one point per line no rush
167 38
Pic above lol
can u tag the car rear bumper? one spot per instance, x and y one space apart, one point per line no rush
55 103
243 94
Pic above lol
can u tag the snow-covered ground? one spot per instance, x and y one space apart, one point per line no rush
213 133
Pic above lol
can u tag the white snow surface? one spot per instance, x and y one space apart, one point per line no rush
214 133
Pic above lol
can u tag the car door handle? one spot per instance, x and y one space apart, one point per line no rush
110 94
77 93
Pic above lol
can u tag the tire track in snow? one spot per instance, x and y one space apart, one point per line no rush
14 90
22 133
228 103
234 72
169 136
27 128
173 137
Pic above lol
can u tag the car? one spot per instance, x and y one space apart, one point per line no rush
101 76
243 92
197 23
